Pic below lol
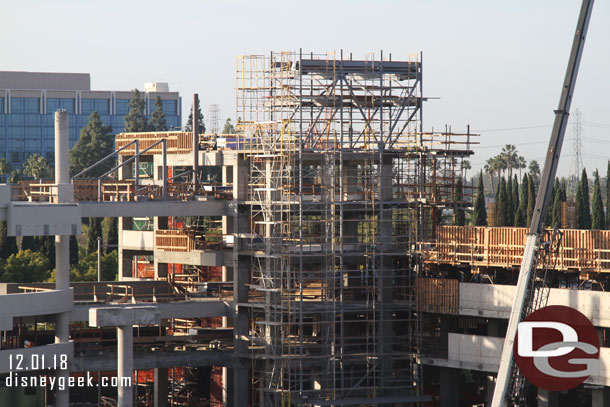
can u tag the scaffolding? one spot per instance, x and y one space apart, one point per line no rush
344 186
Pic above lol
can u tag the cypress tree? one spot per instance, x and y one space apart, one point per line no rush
564 190
96 142
157 119
598 220
608 196
510 206
531 201
46 246
500 205
94 231
73 250
29 243
549 213
135 120
583 214
522 210
112 234
480 212
189 122
459 215
556 211
515 193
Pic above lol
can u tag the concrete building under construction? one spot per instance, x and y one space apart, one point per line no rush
298 262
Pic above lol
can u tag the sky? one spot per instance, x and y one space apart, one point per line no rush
497 66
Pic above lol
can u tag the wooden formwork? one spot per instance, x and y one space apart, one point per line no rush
174 241
437 295
568 215
582 250
178 142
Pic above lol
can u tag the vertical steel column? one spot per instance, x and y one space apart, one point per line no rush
62 247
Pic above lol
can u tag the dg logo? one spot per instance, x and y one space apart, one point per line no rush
557 348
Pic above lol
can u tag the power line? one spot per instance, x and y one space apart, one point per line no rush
514 128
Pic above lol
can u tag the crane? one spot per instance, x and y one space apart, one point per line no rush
509 384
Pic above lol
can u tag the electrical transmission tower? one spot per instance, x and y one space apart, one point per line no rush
577 164
214 112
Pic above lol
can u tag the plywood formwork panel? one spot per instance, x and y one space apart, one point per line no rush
579 250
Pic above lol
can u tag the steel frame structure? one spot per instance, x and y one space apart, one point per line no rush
343 186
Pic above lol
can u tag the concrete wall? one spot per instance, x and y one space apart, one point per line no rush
483 353
495 301
138 240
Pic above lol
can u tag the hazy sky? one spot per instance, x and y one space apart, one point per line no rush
493 64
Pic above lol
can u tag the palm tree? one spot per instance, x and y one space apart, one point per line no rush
490 168
521 164
36 166
465 166
510 157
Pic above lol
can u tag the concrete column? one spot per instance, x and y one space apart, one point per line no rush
450 387
547 398
600 397
62 246
160 387
490 385
124 336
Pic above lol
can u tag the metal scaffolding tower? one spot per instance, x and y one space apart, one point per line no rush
343 188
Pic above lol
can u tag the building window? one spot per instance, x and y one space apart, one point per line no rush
25 105
16 133
31 120
99 105
16 120
32 133
170 106
54 104
122 106
1 105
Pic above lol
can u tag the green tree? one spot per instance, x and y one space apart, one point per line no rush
26 267
608 196
14 177
515 193
110 232
8 244
28 243
157 119
93 232
36 167
5 168
598 219
480 212
73 250
510 206
228 129
531 201
135 121
86 269
46 246
521 218
583 214
534 170
500 204
459 215
189 122
556 211
96 142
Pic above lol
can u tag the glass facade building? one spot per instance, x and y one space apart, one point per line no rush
27 115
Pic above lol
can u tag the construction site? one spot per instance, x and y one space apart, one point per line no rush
301 261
